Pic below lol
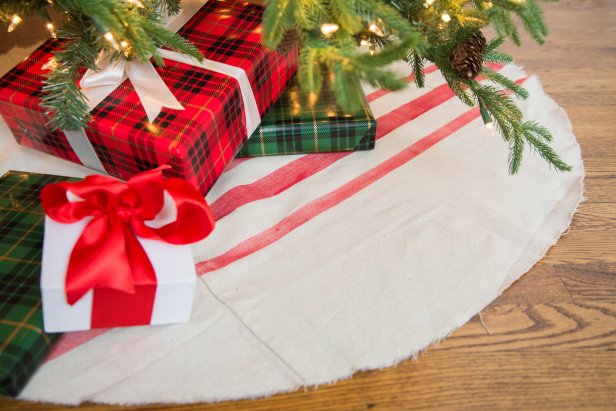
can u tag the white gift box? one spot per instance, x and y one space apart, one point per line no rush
173 265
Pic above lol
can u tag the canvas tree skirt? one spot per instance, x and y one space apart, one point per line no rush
324 265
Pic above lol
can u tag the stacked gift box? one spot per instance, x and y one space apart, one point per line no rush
296 124
125 140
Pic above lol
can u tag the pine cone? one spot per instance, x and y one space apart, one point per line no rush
467 57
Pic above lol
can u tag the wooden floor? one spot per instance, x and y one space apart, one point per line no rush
549 342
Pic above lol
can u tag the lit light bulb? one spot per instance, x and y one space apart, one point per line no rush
312 99
364 42
125 47
51 64
428 3
15 20
329 28
111 40
446 17
488 5
135 3
51 29
375 29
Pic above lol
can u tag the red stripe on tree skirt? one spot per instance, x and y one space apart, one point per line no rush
411 110
327 201
430 69
324 203
273 183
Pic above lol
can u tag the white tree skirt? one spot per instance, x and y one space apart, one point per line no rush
335 269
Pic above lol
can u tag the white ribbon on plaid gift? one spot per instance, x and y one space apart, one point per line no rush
150 87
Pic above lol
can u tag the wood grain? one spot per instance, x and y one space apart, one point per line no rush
549 342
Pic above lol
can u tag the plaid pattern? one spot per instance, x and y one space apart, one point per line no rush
293 125
198 141
23 344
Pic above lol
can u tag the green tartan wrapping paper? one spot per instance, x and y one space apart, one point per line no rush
293 126
23 344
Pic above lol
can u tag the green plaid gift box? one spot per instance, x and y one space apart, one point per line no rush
293 126
23 344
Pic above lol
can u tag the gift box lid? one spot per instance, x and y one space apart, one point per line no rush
295 125
22 340
196 142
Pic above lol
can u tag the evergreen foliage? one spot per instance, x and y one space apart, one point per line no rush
429 32
330 31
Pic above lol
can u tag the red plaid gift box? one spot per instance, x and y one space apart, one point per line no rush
196 142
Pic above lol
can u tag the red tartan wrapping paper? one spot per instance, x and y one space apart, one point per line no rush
196 142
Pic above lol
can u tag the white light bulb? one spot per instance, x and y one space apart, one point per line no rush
111 40
51 29
135 3
15 20
375 29
329 28
446 17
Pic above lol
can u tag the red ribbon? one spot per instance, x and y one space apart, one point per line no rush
108 255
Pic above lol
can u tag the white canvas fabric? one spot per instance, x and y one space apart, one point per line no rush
331 270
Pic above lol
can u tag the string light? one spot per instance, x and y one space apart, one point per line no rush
329 28
111 40
364 42
446 17
15 20
428 3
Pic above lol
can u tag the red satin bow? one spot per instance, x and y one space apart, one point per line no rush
108 254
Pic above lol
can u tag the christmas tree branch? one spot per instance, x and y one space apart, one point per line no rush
123 29
446 33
